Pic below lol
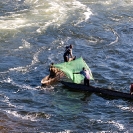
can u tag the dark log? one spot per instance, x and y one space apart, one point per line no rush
105 92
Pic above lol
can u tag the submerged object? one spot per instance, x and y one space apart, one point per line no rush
92 89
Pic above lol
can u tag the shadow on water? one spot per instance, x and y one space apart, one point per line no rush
107 97
84 98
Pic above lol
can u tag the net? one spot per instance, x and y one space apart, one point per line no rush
74 66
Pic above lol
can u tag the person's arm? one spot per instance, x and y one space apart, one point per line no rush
71 53
49 69
77 73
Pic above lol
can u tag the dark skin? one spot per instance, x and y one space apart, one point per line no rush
66 57
53 71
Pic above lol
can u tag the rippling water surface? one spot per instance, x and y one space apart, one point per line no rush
34 33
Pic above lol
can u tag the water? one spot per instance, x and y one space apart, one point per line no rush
34 33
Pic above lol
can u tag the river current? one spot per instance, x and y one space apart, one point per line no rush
34 33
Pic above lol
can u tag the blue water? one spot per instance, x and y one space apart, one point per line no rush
34 33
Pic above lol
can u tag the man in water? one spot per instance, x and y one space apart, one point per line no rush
86 75
68 52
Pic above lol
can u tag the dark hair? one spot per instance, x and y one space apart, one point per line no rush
71 46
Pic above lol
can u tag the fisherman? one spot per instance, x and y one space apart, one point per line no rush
131 89
86 75
68 52
53 71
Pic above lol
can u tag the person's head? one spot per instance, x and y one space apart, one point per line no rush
52 63
71 46
83 68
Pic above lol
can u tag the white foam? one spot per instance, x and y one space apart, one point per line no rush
7 101
86 11
57 13
23 86
117 124
33 62
122 107
117 37
35 58
25 44
26 117
87 14
8 80
14 23
20 69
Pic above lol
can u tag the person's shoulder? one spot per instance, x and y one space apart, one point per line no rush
67 47
51 66
81 71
